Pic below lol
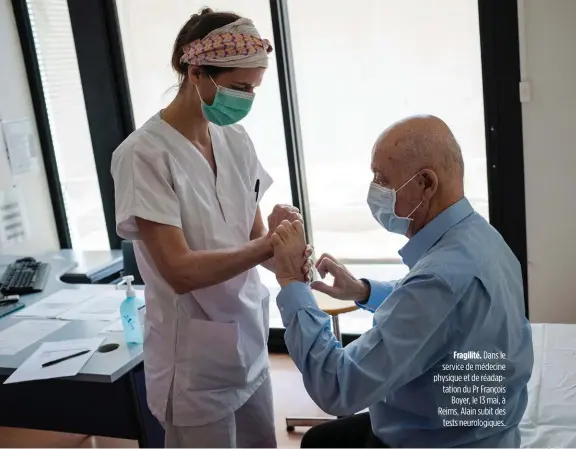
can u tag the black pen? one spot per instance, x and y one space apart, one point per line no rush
54 362
257 189
8 301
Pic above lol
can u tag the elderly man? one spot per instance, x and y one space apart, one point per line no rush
448 359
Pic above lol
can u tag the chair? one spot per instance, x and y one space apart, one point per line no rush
333 307
130 265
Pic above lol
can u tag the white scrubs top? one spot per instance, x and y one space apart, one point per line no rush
209 345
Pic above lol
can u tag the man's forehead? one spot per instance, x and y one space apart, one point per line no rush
384 154
387 161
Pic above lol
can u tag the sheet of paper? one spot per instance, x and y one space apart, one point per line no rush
21 142
6 182
54 305
23 334
13 224
32 368
98 308
116 326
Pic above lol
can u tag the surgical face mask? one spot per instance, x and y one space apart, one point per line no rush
229 106
382 203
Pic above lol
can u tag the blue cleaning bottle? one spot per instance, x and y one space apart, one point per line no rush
130 314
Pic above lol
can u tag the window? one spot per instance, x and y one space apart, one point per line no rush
358 69
361 67
54 42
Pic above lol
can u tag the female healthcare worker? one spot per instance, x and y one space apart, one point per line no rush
188 184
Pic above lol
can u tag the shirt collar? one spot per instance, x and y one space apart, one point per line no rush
427 237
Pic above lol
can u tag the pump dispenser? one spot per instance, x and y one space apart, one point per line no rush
129 313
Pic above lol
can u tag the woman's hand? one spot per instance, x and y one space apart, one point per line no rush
280 213
291 254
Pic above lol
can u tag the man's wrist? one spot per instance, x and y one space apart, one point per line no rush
363 292
288 280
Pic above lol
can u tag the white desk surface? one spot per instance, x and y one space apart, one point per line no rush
102 367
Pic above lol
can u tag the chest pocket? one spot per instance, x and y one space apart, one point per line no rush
237 185
238 202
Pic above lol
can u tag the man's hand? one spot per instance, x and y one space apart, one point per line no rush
280 213
345 286
291 254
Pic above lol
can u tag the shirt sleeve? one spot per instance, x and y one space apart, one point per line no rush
379 291
411 333
143 188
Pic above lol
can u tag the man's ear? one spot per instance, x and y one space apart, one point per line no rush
194 74
430 181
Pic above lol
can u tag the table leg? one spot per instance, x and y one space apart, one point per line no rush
336 328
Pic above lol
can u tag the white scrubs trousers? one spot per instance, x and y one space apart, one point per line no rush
252 425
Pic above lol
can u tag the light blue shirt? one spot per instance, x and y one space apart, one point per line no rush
463 293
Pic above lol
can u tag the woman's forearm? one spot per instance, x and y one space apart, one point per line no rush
186 270
200 269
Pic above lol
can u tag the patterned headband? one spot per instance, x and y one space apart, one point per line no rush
225 48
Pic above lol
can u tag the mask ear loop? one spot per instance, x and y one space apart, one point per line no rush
404 185
198 90
410 214
401 187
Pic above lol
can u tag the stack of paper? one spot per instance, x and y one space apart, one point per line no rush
32 368
54 305
77 304
98 308
116 326
27 332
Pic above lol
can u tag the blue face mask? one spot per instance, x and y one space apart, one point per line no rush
382 203
229 106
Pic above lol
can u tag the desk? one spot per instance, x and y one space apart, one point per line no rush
92 267
108 396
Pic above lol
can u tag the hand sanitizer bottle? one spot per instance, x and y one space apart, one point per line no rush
129 313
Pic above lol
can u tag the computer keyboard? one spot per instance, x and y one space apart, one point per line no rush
24 276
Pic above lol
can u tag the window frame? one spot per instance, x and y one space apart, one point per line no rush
104 79
100 55
30 57
500 52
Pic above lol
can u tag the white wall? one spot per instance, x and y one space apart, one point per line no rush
549 122
16 103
